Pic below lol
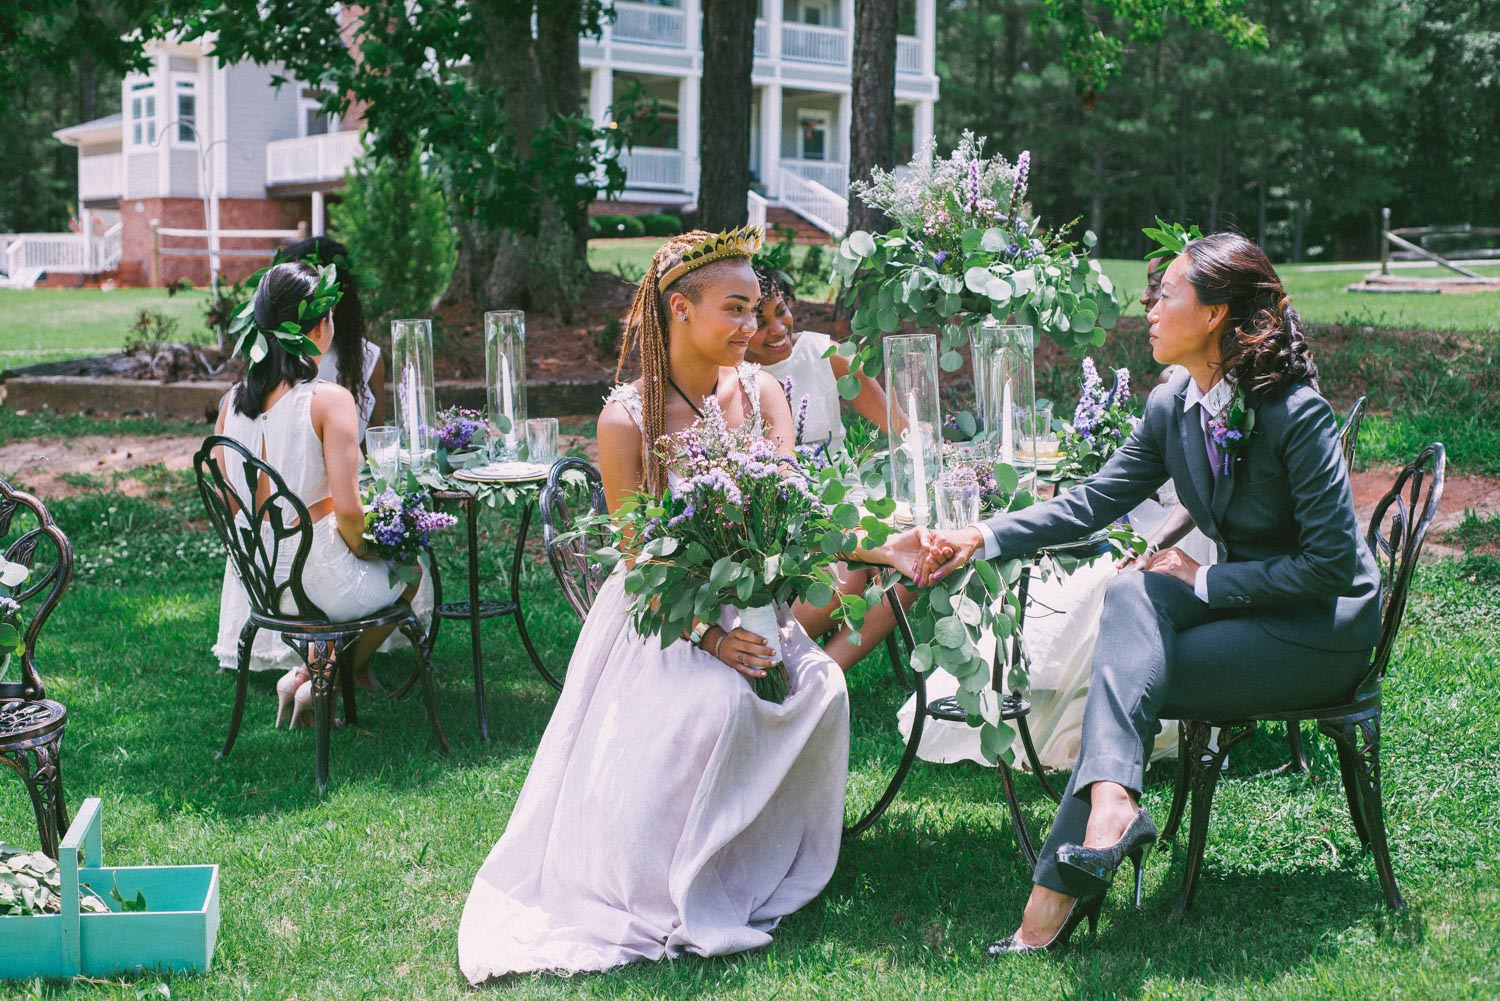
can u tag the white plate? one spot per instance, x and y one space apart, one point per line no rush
502 472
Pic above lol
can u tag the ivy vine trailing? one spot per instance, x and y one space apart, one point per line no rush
966 245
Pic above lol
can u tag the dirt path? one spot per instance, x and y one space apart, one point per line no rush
64 467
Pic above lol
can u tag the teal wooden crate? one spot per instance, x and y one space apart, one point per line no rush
176 933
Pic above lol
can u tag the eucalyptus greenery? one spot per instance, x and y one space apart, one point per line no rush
253 341
12 641
1170 238
30 884
966 245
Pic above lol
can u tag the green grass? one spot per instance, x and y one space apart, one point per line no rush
358 895
1476 532
50 324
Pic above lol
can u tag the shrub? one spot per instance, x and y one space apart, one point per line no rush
394 220
596 230
607 339
151 331
620 226
661 224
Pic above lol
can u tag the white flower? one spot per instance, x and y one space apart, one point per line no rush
12 574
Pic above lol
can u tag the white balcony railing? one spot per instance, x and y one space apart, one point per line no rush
311 159
762 39
815 44
101 176
648 167
649 24
815 203
909 55
755 210
830 174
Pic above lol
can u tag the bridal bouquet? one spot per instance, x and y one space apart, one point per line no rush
1100 425
399 524
738 527
966 244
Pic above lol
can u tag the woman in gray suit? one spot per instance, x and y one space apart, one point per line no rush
1284 620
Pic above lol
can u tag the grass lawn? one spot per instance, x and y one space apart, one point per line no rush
51 324
358 895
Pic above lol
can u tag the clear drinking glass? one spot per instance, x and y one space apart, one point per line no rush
416 393
1041 427
383 445
957 499
915 435
505 378
541 440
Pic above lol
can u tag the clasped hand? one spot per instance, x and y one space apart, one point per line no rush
943 551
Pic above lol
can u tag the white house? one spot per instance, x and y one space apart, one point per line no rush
208 157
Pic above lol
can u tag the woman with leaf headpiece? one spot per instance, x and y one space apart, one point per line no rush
308 431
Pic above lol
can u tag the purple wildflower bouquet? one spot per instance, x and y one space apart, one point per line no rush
739 526
399 522
1101 423
459 429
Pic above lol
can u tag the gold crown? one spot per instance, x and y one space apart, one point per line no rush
742 242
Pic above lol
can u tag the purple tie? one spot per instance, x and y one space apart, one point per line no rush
1215 459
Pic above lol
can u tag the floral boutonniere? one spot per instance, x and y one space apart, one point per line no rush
1232 427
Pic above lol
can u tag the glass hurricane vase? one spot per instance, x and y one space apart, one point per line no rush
915 423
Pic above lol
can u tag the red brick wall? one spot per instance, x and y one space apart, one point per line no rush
187 213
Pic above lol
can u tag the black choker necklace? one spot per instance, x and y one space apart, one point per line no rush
686 399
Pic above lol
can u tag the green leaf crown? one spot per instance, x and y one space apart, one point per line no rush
254 343
1171 237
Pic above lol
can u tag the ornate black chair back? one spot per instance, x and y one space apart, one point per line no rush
268 538
1349 433
32 725
32 539
569 552
1398 527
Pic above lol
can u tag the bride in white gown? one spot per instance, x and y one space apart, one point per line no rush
668 808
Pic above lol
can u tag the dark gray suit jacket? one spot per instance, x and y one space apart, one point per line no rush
1290 552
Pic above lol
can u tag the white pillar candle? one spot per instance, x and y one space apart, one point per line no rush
506 400
918 452
1007 429
411 417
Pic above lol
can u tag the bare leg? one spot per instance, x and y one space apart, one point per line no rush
369 641
818 620
1112 807
1046 910
879 621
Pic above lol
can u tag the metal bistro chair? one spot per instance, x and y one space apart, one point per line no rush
1348 446
1397 530
581 578
32 725
256 531
1016 708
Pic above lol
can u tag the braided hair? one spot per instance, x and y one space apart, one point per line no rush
646 336
1263 345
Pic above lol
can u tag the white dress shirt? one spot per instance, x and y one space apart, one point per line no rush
1209 404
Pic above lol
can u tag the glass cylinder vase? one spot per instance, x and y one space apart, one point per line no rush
1004 359
416 393
915 422
505 379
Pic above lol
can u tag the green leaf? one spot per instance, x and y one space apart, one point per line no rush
1006 478
977 279
819 595
861 243
988 574
951 361
722 573
950 632
848 387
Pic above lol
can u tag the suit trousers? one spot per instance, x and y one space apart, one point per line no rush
1163 653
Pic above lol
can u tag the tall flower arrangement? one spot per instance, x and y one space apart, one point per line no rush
966 244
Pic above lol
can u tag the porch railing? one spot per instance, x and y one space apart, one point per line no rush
648 24
311 159
101 176
815 44
815 203
649 167
755 210
831 174
909 55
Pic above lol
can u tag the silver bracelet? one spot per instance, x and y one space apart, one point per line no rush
723 635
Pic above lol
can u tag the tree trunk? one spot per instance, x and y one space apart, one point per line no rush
872 136
724 113
537 81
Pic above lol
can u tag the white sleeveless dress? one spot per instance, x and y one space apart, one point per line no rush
340 583
668 809
812 377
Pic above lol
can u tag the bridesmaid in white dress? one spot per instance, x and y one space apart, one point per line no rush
670 810
305 429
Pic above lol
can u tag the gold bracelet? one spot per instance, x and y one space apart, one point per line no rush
723 635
